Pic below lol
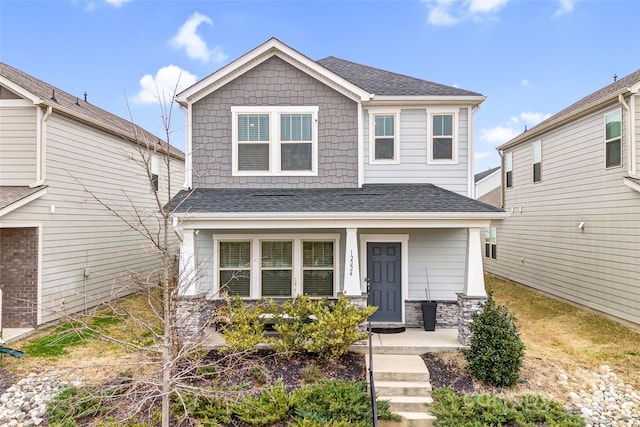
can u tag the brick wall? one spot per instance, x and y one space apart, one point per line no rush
275 83
19 276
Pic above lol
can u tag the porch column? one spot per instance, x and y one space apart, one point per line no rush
474 279
352 264
187 277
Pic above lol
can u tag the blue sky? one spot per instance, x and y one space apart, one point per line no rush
530 58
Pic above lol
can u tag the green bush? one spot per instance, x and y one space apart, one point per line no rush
243 324
292 325
488 410
496 351
271 406
75 403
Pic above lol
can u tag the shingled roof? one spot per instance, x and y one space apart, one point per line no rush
77 107
595 99
426 198
386 83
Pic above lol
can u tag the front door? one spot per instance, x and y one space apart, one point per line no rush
383 274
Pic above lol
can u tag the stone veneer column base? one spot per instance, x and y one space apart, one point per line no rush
360 302
467 306
192 314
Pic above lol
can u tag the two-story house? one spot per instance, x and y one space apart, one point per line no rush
572 186
61 251
326 177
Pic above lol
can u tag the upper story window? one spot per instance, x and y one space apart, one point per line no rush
537 161
384 138
443 145
155 170
508 169
275 140
613 139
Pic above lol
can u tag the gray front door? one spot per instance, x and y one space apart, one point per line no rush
383 273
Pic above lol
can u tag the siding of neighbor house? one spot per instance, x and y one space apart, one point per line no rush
275 83
81 233
637 131
413 167
18 151
542 246
441 252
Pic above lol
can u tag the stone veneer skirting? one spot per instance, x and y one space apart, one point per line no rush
446 314
467 306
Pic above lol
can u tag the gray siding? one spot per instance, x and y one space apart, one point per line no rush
413 166
542 246
275 83
636 129
82 233
18 145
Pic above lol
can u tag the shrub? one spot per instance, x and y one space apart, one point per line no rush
271 406
496 351
488 410
75 403
292 325
244 324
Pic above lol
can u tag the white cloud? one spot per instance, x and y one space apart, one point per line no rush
117 3
480 155
452 12
497 135
161 87
514 127
565 7
532 118
195 46
525 83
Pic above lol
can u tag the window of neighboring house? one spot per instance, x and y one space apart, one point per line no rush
277 268
537 161
235 267
275 140
155 167
508 169
443 143
318 268
490 243
613 139
385 147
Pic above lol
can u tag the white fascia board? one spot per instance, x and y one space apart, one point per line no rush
272 47
426 100
489 176
632 184
19 203
19 90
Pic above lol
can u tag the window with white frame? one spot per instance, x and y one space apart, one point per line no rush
275 140
384 138
235 267
276 268
508 169
155 171
613 139
443 144
537 161
318 265
490 243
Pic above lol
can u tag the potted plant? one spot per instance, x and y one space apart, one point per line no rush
429 308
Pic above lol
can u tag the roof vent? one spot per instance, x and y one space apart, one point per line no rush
53 95
77 103
615 78
85 97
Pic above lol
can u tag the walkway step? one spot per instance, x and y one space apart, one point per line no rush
408 403
387 367
403 388
410 419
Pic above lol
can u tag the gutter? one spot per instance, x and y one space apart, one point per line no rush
42 167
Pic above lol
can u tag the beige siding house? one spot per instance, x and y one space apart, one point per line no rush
572 189
60 250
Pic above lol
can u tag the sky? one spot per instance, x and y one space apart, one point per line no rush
531 58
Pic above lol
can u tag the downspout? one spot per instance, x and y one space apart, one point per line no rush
630 138
43 150
472 189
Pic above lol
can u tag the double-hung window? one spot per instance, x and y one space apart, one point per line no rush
384 138
537 161
155 171
277 268
318 268
508 169
613 139
442 137
235 267
490 243
275 140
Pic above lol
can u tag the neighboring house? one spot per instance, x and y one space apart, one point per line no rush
60 250
318 177
572 186
488 187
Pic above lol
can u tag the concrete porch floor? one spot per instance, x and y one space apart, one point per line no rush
411 341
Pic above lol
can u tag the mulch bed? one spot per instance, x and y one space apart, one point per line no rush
7 379
445 374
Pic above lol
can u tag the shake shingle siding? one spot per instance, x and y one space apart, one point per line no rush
542 246
275 83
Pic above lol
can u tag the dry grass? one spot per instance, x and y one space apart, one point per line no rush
561 336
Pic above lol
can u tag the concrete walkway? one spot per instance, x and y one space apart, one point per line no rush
411 341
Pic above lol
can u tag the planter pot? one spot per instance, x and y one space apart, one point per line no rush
429 314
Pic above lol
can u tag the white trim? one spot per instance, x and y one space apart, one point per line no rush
361 143
403 239
188 155
631 184
633 123
454 129
474 274
534 144
19 90
19 203
16 103
253 58
274 139
255 268
428 99
377 111
605 141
